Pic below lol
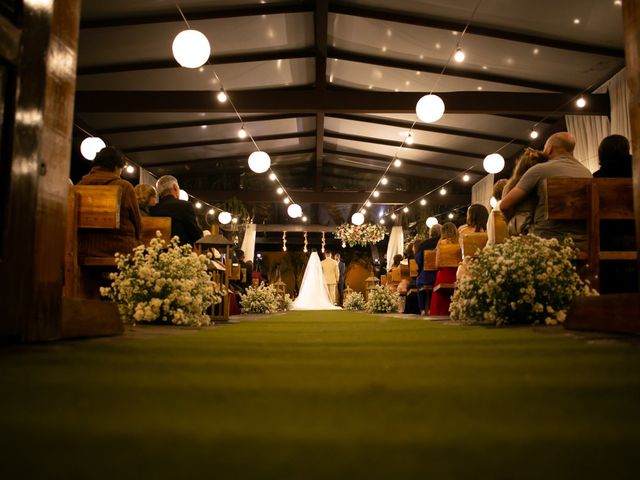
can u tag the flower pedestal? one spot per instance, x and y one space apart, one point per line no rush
221 273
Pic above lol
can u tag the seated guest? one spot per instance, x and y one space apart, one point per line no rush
498 188
147 198
559 149
477 216
440 300
522 218
397 259
614 157
183 216
426 277
107 168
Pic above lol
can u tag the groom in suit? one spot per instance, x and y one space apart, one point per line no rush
341 269
331 274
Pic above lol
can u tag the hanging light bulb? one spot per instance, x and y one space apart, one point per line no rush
224 218
534 133
357 218
130 169
451 216
287 200
384 180
279 191
393 216
294 210
191 49
443 191
459 55
222 96
405 209
397 163
431 221
368 203
581 102
211 211
242 133
423 202
382 221
376 193
198 205
493 163
466 178
304 218
363 211
272 177
259 162
430 108
90 147
183 195
409 139
234 220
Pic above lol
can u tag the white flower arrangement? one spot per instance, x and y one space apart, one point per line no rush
382 300
354 301
526 279
360 234
165 283
264 299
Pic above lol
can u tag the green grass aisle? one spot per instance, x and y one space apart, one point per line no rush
323 395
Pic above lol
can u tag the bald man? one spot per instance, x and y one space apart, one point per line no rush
559 149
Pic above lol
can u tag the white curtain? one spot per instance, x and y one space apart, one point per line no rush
249 242
482 191
396 245
589 131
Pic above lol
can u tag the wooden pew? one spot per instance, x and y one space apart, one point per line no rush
95 208
592 200
150 225
473 242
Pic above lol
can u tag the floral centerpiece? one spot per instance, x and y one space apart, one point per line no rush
359 234
166 283
354 301
264 299
526 279
382 300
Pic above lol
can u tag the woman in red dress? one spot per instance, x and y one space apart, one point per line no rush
441 299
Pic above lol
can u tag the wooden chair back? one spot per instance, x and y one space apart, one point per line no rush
591 200
88 207
150 225
413 268
396 275
430 260
448 255
405 272
500 227
472 242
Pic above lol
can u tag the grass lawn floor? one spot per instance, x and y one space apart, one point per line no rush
323 395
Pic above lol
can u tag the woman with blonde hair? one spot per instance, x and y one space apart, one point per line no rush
440 299
522 218
147 198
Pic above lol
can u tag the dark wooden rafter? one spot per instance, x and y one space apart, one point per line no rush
227 159
451 72
391 122
407 171
548 120
321 20
221 141
336 101
395 143
194 14
199 123
422 20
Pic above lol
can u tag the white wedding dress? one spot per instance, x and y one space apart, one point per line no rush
313 291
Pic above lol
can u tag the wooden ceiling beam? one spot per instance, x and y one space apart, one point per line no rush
336 101
228 158
321 21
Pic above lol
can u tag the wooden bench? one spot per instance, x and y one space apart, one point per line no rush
592 200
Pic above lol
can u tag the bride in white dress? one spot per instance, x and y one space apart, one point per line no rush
313 291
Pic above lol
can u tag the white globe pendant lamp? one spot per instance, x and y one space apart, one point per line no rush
90 147
357 218
224 218
430 108
191 49
259 161
183 195
493 163
431 221
294 210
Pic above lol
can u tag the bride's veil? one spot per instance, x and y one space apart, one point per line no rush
313 290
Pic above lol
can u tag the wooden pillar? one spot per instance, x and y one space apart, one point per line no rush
631 19
31 271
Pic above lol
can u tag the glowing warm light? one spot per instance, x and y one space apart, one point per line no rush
363 211
450 216
272 177
287 201
211 211
459 55
304 218
430 108
183 195
409 139
224 218
423 202
382 221
431 221
90 147
130 169
259 162
191 49
222 96
581 102
397 163
357 218
443 191
393 216
242 133
234 220
534 134
405 209
376 193
384 180
294 210
493 163
279 191
198 205
368 203
466 178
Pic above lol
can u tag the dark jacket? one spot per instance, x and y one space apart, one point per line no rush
183 218
107 243
425 277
